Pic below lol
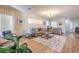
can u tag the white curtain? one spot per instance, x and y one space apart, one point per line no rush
69 26
6 22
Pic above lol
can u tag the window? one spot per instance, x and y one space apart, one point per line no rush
69 26
6 22
54 24
34 21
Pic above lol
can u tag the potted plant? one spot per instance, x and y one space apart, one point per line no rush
16 47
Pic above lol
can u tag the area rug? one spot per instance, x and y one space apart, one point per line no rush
56 42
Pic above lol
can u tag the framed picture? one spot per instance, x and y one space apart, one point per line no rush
20 21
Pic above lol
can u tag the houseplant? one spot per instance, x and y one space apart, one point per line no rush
16 47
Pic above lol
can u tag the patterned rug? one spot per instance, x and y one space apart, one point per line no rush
56 42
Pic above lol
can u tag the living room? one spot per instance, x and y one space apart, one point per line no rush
44 29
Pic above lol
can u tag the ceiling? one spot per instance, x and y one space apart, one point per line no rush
69 11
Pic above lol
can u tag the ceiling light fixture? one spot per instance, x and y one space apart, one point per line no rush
50 12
